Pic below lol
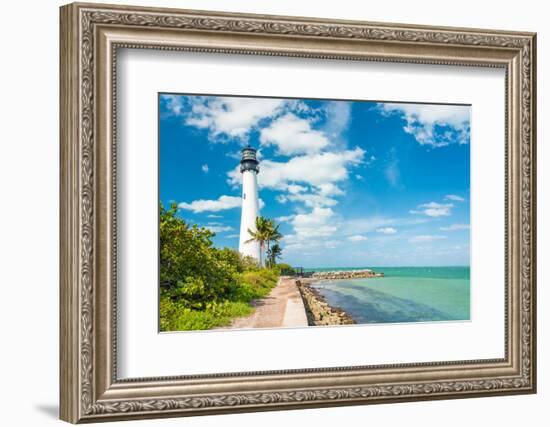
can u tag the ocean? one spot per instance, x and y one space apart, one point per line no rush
404 294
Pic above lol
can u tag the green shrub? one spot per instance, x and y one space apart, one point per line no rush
191 270
256 284
286 269
202 287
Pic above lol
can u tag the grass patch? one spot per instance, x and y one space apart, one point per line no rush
175 317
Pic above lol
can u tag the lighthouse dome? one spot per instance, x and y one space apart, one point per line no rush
248 160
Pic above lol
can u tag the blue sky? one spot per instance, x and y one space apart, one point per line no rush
352 183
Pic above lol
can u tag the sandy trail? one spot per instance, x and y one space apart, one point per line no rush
283 307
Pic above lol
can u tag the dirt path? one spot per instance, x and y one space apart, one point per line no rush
283 307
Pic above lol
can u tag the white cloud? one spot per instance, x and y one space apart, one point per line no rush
329 189
309 179
310 199
214 216
312 230
232 117
330 244
295 188
338 118
379 224
317 223
386 230
357 238
391 168
318 159
435 125
454 198
426 238
173 104
434 209
284 218
222 203
365 225
320 196
205 168
314 170
391 172
456 227
293 135
216 227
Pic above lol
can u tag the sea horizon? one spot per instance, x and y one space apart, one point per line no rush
372 267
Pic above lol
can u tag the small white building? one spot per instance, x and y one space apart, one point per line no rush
250 205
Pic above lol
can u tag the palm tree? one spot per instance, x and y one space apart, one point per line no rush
266 232
273 234
274 253
260 234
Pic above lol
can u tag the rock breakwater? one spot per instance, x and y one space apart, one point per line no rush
318 311
345 274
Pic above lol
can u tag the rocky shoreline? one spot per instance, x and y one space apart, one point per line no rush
348 274
318 311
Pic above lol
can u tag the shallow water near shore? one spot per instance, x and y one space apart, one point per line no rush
405 294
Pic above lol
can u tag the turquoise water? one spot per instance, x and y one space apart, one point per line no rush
405 294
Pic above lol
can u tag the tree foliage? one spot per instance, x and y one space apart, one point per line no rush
267 231
202 286
192 271
286 269
273 254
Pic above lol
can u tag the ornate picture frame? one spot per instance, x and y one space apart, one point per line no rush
90 37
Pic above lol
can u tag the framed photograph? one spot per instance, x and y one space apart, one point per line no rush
266 212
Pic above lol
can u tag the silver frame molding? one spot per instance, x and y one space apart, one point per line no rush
90 37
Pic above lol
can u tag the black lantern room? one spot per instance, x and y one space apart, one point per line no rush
248 160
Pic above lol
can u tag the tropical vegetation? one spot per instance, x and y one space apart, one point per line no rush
203 287
267 231
273 254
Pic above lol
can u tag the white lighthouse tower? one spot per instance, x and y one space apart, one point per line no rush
250 206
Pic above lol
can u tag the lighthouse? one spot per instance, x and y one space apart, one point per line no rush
250 206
